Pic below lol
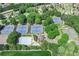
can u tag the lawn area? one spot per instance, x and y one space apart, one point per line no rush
25 53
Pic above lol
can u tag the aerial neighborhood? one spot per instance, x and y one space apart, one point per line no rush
39 29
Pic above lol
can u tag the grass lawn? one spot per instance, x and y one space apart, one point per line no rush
25 53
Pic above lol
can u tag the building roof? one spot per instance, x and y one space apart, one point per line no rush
7 30
57 20
25 40
23 29
36 29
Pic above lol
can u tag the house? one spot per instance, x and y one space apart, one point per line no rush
57 20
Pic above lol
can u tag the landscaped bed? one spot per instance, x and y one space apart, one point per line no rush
25 53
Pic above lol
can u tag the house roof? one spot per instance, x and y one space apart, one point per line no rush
57 20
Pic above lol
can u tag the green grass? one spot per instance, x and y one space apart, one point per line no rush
25 53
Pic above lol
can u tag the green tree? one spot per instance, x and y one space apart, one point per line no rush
22 9
64 39
13 21
44 45
70 20
70 49
45 15
6 47
31 17
2 16
53 34
47 28
13 37
1 47
4 22
22 19
52 30
76 51
44 8
38 20
29 10
56 12
53 47
61 51
1 9
47 21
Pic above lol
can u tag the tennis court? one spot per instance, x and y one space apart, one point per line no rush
23 29
7 29
36 29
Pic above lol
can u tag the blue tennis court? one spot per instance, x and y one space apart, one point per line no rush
22 29
7 29
36 29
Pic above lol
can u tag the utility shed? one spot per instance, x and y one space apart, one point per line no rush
36 29
57 20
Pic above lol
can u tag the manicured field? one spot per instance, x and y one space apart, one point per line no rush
25 53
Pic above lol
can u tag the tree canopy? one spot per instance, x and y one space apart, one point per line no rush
47 21
70 20
2 16
13 37
13 21
53 34
52 30
63 40
22 19
38 20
